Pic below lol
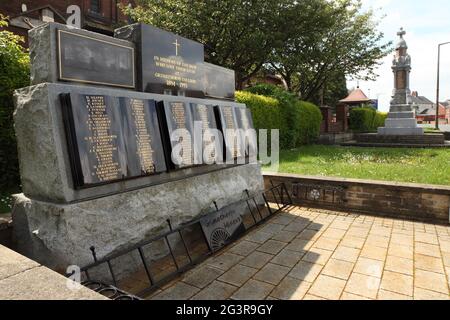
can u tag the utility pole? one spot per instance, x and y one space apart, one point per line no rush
438 80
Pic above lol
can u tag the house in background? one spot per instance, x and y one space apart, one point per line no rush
426 110
101 16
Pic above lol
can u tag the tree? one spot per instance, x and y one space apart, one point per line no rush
338 40
237 34
14 73
310 43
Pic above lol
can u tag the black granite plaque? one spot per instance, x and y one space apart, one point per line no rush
141 134
219 82
87 59
246 130
179 132
111 138
167 63
207 146
232 139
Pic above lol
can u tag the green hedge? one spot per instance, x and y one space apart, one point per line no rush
298 121
14 73
366 119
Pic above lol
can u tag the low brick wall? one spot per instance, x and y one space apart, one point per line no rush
424 202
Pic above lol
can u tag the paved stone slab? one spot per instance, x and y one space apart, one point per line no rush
272 247
244 248
327 287
257 259
346 253
397 282
431 281
369 267
338 268
179 291
288 258
216 291
400 265
253 290
428 263
363 285
203 276
224 261
317 256
258 237
305 271
285 236
238 275
423 294
271 273
291 289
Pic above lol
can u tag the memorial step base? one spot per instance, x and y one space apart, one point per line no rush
398 131
426 140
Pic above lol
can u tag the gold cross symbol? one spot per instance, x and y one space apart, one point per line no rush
176 46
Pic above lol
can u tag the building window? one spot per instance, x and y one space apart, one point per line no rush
95 6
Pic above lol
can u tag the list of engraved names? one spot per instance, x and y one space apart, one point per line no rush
179 116
231 134
100 140
143 138
208 137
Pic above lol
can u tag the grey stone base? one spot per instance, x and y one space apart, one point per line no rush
401 121
58 235
400 131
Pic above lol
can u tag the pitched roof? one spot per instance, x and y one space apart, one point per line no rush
356 96
420 100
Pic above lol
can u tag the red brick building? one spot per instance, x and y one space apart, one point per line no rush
96 15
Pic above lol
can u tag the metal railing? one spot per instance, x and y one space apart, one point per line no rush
258 207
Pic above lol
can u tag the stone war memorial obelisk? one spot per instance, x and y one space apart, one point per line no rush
94 135
401 119
401 127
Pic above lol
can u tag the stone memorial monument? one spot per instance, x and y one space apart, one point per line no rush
401 127
401 119
93 134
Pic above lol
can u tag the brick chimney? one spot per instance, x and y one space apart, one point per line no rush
415 94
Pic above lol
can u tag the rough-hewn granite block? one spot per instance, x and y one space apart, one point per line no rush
43 151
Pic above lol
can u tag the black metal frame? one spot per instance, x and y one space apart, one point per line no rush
279 190
109 291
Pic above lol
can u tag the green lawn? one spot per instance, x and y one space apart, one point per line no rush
431 166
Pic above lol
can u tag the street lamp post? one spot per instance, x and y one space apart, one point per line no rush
437 87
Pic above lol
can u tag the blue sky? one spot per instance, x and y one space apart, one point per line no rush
427 23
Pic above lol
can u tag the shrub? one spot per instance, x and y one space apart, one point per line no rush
366 119
308 122
298 121
265 110
379 119
14 73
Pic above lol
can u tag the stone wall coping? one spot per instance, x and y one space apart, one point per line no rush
25 279
440 189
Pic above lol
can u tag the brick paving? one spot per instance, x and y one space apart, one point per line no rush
306 253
